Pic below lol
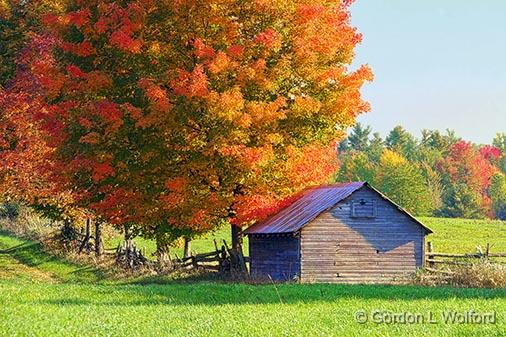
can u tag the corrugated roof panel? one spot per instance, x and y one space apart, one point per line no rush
312 203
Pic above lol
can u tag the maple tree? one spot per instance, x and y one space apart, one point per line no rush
172 117
466 171
403 182
28 172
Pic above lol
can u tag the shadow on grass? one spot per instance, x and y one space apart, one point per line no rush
31 254
13 249
210 294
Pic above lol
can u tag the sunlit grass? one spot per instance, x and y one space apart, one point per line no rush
43 295
463 236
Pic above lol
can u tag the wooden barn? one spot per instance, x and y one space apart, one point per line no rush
344 233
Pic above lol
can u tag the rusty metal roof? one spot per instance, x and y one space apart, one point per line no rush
312 203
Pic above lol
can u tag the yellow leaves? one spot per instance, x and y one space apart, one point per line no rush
274 138
154 48
228 105
266 112
305 106
389 157
276 8
5 9
254 73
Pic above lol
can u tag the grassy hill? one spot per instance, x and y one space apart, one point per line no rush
43 295
462 235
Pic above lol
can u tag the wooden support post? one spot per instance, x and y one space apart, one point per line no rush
236 238
487 252
86 241
187 247
98 239
429 254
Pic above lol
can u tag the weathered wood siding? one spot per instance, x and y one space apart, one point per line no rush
339 248
275 256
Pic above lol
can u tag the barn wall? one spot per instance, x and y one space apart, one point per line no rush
337 248
277 256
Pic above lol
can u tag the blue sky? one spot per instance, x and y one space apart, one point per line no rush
437 65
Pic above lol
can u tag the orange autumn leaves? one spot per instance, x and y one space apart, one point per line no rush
159 116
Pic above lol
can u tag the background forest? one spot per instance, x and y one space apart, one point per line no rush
439 174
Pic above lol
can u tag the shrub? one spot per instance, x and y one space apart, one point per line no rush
9 210
27 223
482 274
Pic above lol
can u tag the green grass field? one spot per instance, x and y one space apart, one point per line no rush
462 236
42 295
450 235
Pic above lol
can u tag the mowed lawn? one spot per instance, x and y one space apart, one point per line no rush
42 295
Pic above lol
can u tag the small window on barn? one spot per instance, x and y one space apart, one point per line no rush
363 208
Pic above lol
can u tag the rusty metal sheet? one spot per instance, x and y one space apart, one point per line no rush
312 203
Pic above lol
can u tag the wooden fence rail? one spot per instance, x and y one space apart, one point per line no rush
435 258
222 260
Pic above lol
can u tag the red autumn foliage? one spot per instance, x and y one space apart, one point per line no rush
472 167
155 118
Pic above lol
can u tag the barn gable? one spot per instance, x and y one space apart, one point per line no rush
364 238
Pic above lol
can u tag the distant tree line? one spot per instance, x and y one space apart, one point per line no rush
438 174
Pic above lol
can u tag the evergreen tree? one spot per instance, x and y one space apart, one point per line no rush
358 139
498 195
401 141
463 202
375 148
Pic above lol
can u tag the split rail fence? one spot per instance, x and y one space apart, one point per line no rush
433 259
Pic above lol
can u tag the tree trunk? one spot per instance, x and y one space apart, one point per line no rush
237 263
236 238
98 239
187 247
163 256
128 236
86 242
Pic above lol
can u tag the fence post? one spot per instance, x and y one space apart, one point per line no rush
430 264
487 252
